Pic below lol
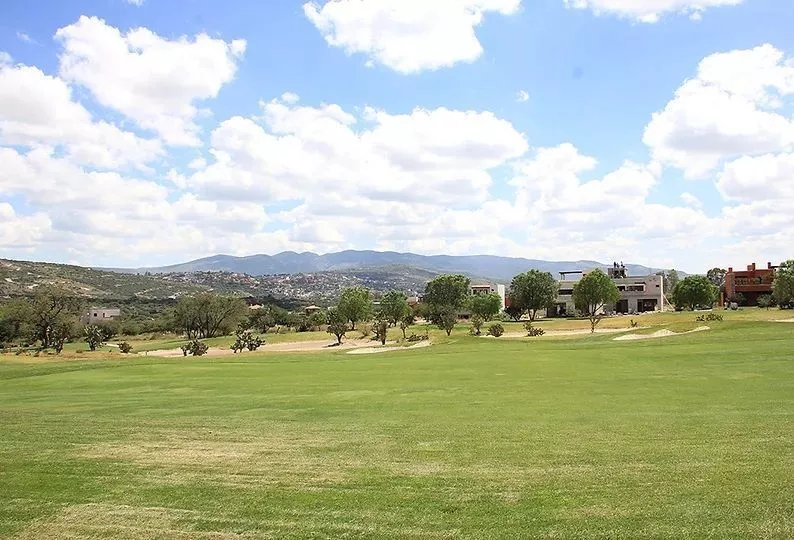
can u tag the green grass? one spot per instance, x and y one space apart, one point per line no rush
681 437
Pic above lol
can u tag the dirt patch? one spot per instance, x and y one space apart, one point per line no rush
294 346
660 334
120 521
377 350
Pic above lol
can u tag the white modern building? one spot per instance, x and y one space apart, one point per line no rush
638 294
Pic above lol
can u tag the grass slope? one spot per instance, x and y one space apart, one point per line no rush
683 437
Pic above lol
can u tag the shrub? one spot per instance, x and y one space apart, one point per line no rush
246 340
709 317
414 338
195 347
532 331
125 347
380 327
496 330
633 324
476 325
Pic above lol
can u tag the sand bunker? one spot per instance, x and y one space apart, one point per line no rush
294 346
377 350
659 334
576 332
784 320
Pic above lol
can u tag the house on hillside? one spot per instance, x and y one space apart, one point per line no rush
638 294
750 283
100 315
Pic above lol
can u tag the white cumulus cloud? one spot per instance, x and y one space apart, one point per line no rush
407 36
155 81
649 11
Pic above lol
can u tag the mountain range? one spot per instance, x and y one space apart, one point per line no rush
501 269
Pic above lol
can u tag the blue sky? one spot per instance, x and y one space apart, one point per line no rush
657 131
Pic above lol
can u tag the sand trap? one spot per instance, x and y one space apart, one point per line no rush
294 346
576 332
659 334
784 320
377 350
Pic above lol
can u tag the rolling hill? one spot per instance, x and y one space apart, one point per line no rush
501 269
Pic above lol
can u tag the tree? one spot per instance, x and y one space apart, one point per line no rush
717 277
14 319
207 315
533 291
445 297
381 328
356 305
261 319
394 306
95 336
694 291
405 322
592 293
476 324
765 301
485 306
337 324
670 280
513 311
783 286
53 309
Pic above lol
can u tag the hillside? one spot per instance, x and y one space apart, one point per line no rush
22 278
501 269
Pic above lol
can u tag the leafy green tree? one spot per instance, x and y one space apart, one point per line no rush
337 324
783 286
356 305
765 301
53 315
394 306
533 291
513 311
207 315
717 277
14 319
694 291
486 306
592 293
445 297
261 319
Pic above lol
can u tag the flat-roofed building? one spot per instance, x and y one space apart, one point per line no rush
750 283
638 294
100 315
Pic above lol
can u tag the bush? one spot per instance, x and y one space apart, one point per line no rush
125 347
532 331
709 317
496 330
381 328
413 338
246 340
476 325
195 347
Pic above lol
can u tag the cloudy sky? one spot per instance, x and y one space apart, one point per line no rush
143 132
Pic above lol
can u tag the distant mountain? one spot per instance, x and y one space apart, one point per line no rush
500 269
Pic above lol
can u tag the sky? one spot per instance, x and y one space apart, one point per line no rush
149 132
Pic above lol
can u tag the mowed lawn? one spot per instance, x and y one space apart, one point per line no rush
683 437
